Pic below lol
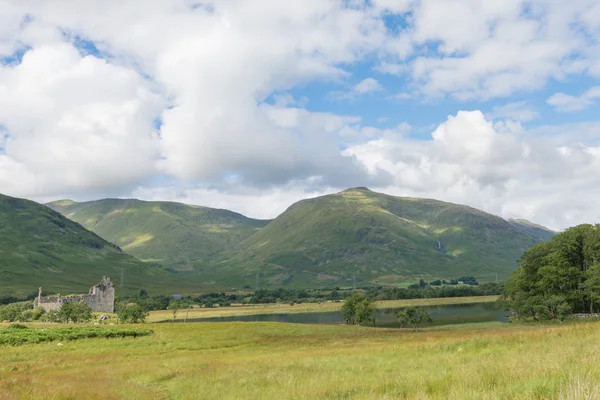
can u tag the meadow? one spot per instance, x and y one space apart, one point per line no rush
251 309
291 361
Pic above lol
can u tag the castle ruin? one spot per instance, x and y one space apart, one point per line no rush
101 298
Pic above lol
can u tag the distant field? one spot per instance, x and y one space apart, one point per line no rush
290 361
164 315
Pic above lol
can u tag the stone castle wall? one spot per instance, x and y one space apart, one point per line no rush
101 298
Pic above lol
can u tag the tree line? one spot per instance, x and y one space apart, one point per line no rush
558 277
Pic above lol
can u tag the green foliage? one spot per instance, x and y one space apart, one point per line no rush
20 311
414 316
17 326
75 312
558 277
132 314
52 316
358 309
365 312
38 314
21 336
174 307
40 246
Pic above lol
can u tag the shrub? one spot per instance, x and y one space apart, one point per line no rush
17 326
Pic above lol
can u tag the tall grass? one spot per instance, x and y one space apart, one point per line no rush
288 361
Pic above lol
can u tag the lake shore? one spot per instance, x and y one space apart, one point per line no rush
238 310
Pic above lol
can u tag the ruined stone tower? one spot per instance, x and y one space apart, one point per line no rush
101 298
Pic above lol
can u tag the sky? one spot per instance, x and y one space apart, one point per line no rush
252 105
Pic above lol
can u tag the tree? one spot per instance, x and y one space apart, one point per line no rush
75 312
365 311
358 309
591 286
556 276
413 316
132 313
349 308
174 307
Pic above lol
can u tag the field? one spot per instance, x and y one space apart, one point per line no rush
288 361
165 315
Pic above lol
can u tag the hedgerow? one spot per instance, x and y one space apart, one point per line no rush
18 337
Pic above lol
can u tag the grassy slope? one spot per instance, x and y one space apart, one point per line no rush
288 361
385 239
39 246
535 229
177 236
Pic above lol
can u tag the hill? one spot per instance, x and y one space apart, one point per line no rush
537 230
40 247
380 239
178 236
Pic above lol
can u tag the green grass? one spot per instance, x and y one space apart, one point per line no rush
287 361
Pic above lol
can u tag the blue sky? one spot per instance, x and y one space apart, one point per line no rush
241 104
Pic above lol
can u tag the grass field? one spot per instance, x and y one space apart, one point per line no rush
165 315
289 361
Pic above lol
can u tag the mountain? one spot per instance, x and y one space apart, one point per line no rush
179 237
40 247
376 239
537 230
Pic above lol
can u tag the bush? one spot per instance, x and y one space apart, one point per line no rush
132 314
17 326
75 312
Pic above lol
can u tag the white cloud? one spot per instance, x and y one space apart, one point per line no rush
403 96
515 174
517 111
367 85
74 123
79 125
494 48
212 66
565 103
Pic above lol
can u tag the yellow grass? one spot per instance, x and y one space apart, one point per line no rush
164 315
290 361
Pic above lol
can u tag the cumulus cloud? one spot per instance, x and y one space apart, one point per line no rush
74 122
494 48
565 103
119 97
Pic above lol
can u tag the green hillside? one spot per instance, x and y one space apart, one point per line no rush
40 247
534 229
177 236
382 239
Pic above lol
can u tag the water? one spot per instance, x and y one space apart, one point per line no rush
385 317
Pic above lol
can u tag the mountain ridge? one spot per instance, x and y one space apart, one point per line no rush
320 241
41 247
196 233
